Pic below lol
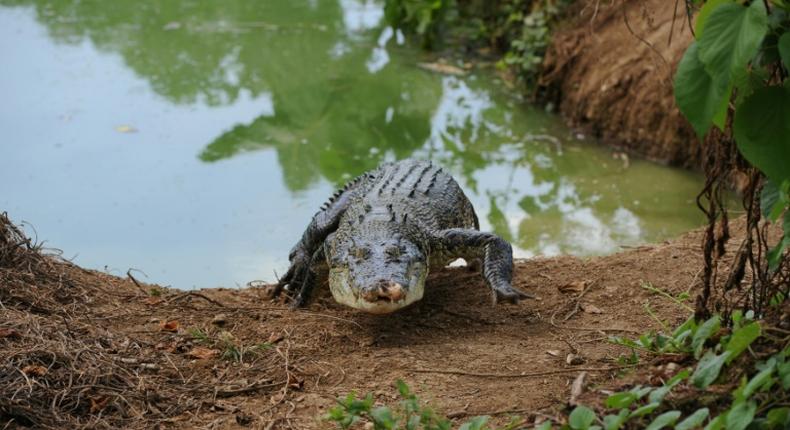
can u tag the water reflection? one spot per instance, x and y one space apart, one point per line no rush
318 92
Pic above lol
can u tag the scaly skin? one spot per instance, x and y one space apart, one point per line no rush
382 232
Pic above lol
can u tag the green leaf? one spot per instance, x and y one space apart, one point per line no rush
741 339
702 16
732 37
658 394
762 131
413 423
772 200
778 418
476 423
614 422
706 330
748 81
784 49
697 95
757 382
640 391
717 423
708 369
644 410
403 389
741 415
382 418
581 418
545 426
664 420
689 324
775 254
620 400
784 374
694 420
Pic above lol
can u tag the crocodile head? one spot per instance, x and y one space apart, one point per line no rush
376 273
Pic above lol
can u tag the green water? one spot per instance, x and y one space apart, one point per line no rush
194 140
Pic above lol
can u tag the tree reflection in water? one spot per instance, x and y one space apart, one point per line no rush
341 93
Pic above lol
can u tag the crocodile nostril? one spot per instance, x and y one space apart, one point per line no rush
388 291
392 291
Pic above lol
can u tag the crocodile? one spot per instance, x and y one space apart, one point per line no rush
384 230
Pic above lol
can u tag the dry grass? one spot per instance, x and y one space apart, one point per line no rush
63 366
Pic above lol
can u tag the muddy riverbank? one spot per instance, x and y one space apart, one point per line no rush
83 348
610 67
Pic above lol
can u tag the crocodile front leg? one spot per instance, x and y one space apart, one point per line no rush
496 253
298 280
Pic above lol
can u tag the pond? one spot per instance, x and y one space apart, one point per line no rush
194 140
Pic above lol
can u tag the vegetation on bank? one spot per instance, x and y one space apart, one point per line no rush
732 86
734 77
728 378
518 30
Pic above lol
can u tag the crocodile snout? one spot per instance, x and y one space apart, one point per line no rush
389 291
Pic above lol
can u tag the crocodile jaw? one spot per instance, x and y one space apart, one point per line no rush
345 295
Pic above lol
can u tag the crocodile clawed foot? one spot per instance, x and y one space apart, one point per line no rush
508 294
302 291
297 282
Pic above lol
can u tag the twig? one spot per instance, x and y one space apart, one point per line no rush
183 381
578 299
598 329
522 375
195 294
641 39
649 287
136 283
674 18
252 387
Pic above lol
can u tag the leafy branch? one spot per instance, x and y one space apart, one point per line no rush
735 73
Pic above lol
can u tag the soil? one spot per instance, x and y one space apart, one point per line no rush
84 348
610 69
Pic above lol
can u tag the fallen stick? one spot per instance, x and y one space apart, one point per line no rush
522 375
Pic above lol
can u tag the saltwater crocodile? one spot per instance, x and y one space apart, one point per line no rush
382 232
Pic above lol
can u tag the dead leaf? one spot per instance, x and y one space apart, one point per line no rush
34 370
152 300
98 404
169 326
591 309
295 383
219 319
443 68
573 287
274 338
10 333
166 346
202 353
125 128
574 359
577 388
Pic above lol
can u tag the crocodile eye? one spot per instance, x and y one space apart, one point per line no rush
393 252
360 253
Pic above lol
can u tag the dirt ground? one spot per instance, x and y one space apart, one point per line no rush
83 348
610 68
